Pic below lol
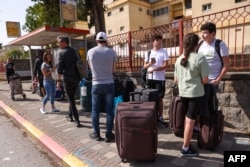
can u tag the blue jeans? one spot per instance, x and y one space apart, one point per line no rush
50 88
103 93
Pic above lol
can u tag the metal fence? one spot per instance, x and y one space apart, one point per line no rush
233 27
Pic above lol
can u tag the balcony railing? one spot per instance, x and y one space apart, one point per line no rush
233 27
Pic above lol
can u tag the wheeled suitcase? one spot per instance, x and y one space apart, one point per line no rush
16 86
136 131
211 122
177 116
211 131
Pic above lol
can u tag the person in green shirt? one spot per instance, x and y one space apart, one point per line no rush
191 73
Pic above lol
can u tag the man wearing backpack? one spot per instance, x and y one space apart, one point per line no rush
68 71
156 62
217 55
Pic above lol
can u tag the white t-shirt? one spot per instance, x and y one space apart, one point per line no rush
213 59
160 56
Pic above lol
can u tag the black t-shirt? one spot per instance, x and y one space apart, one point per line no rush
10 68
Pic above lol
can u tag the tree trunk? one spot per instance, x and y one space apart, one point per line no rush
98 12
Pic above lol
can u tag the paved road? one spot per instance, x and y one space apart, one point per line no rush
70 141
18 150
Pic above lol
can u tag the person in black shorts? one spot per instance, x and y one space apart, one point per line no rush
191 73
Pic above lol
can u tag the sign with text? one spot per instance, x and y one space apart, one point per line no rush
236 158
69 10
13 29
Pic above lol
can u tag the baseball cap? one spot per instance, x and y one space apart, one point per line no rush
101 36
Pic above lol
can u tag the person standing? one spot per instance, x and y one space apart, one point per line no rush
218 65
9 68
101 60
48 82
156 63
38 73
191 73
71 78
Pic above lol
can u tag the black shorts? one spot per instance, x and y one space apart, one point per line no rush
159 85
192 106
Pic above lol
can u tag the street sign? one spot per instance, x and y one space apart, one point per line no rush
13 29
69 10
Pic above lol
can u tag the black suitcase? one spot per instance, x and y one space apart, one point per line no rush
147 94
136 131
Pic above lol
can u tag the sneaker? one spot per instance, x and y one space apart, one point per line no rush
109 137
96 137
69 118
55 110
42 110
189 153
162 122
78 124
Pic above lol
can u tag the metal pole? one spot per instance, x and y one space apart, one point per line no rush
61 20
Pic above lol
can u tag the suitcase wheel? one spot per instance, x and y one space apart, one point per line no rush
124 160
24 96
199 146
153 160
13 97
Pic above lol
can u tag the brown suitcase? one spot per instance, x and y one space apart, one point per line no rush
211 131
136 131
177 116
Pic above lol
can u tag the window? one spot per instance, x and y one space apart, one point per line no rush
238 1
206 7
188 4
121 28
121 9
109 32
159 12
140 9
109 13
140 28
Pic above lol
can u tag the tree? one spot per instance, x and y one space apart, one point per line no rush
48 12
95 10
15 54
44 12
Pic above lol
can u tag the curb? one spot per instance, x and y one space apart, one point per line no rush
49 144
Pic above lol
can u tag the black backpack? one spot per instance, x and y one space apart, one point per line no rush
217 48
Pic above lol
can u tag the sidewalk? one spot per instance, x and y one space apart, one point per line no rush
73 147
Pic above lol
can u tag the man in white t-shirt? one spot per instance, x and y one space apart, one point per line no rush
207 49
156 63
218 66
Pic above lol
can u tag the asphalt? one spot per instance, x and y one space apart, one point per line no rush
71 146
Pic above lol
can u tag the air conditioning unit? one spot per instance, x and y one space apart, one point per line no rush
149 12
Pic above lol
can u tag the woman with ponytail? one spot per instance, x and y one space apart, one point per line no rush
191 73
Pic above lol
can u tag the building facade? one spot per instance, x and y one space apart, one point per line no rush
122 16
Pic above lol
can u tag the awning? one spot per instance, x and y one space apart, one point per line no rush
47 35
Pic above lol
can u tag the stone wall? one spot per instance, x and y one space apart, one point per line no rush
233 95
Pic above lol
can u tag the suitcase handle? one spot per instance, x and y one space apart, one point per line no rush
132 96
